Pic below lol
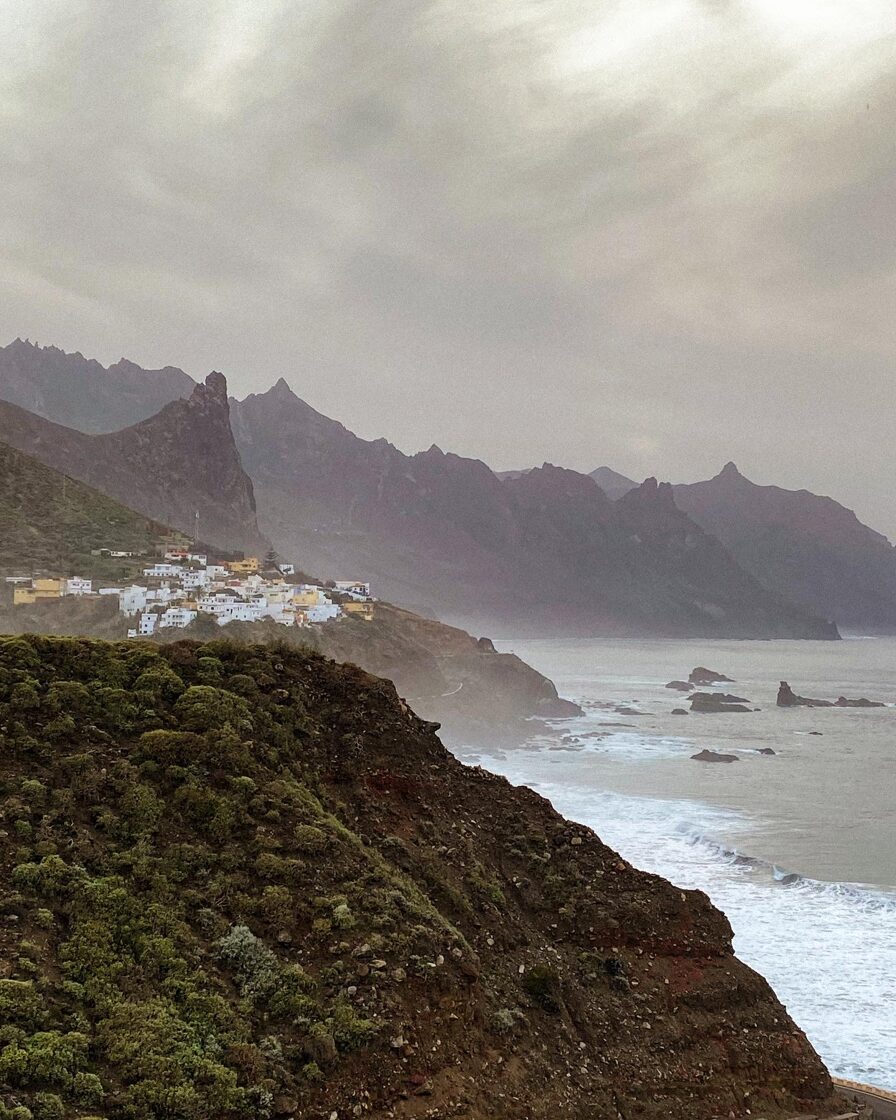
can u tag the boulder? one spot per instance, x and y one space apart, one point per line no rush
680 712
702 675
680 686
714 756
787 698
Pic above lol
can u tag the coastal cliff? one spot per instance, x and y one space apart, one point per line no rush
248 882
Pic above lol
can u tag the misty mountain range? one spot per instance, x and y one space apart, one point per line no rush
546 550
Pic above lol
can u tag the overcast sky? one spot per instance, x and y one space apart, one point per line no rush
656 234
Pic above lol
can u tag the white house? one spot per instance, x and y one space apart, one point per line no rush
75 585
176 616
324 612
132 600
159 571
147 623
354 587
192 579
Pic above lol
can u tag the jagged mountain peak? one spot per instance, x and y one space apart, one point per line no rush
216 386
731 473
80 392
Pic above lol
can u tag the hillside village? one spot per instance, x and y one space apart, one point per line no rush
174 590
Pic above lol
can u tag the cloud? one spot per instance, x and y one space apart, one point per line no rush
656 234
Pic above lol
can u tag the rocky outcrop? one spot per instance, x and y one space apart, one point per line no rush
681 686
265 887
787 698
861 702
807 548
82 394
702 675
539 551
714 756
175 465
718 702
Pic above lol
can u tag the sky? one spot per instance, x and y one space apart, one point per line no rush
655 234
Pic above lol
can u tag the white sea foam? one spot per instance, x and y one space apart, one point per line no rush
828 949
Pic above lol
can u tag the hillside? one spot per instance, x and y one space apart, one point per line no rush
477 694
247 882
178 463
536 552
80 393
49 521
808 548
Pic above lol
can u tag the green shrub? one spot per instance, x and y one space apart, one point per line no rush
21 1003
542 985
88 1089
47 1106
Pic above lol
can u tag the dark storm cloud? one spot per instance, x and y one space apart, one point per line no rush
657 235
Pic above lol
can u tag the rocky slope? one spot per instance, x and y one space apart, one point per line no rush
534 552
807 548
51 522
79 392
245 882
178 462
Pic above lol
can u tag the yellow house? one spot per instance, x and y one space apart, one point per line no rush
39 589
363 611
306 597
247 567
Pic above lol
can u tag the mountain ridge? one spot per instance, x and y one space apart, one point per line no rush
807 547
82 393
539 550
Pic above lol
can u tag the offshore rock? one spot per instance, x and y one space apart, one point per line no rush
787 698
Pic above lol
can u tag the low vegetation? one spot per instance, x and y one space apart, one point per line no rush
247 882
74 520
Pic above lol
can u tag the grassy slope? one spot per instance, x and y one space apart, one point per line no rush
242 881
51 522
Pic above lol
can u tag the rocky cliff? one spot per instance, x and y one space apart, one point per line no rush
540 551
180 462
247 882
807 548
80 393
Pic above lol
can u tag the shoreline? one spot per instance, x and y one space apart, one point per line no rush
882 1101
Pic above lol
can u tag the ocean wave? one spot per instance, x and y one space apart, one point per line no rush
862 895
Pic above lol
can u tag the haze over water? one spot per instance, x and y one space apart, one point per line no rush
798 849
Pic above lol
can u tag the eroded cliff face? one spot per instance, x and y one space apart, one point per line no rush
181 461
535 552
250 881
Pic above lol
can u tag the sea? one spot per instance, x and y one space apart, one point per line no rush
798 847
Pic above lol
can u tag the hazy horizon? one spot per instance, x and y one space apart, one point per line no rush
657 236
